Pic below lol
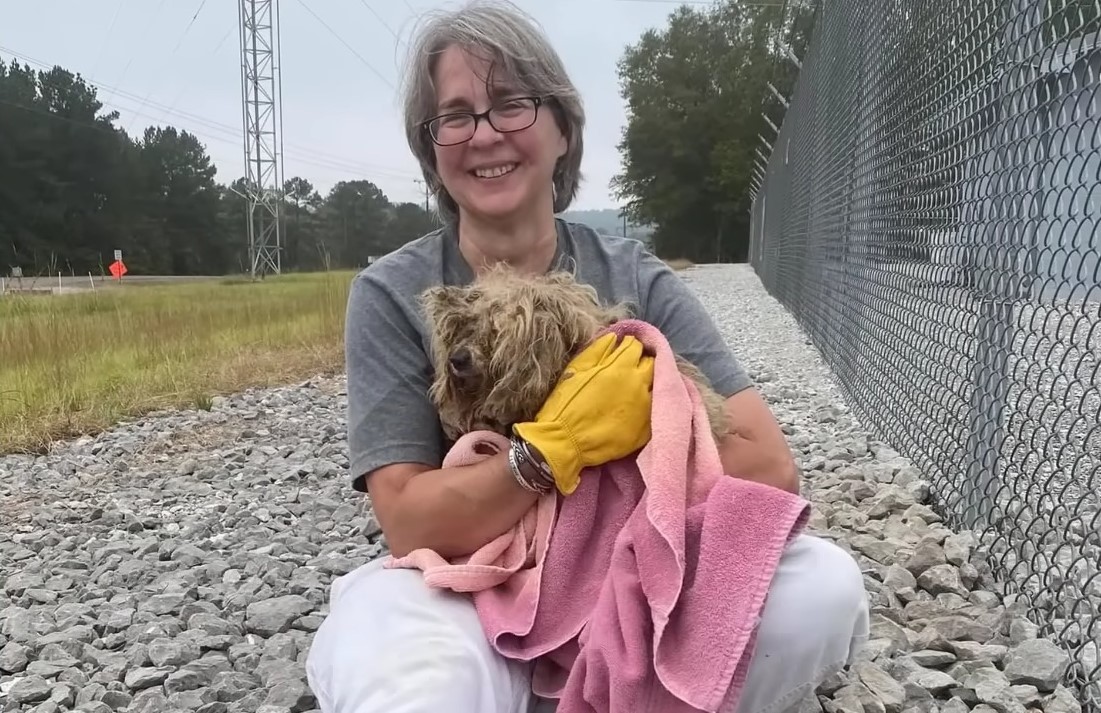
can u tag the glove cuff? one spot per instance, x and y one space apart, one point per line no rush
556 444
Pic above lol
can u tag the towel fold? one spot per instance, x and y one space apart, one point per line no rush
642 590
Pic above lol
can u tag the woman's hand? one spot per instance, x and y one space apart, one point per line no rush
598 412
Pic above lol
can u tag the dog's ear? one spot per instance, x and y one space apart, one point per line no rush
440 300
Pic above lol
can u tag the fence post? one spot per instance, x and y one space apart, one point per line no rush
997 279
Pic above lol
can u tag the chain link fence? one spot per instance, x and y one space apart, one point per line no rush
931 214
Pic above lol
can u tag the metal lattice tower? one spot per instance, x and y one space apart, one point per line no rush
261 112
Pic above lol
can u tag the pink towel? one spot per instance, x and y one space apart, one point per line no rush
643 593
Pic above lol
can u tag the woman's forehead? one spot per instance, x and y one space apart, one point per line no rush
463 77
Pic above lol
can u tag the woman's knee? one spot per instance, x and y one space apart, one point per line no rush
390 643
814 620
829 575
822 592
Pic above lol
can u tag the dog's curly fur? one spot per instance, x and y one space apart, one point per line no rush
500 345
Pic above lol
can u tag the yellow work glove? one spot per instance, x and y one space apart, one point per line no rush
598 412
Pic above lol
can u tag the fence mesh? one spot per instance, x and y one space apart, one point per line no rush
931 214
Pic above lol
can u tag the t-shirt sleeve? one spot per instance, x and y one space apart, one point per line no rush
390 417
671 306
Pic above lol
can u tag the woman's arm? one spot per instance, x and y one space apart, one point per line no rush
394 438
756 449
454 511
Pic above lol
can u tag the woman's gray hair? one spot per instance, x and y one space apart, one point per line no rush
516 47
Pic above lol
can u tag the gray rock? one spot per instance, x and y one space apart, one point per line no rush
233 685
933 658
886 689
957 548
64 695
1037 662
926 555
942 579
94 707
990 686
29 689
116 700
1062 701
889 499
955 705
141 678
276 615
164 652
955 627
184 680
974 651
14 658
292 695
213 624
90 692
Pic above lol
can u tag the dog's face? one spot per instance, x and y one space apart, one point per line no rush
501 344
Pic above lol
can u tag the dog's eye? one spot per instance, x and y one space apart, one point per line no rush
460 361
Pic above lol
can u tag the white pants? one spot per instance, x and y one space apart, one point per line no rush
390 644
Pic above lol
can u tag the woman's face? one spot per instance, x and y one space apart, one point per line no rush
495 175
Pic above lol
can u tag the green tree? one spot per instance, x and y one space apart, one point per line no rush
62 166
356 219
181 231
300 225
408 221
74 188
695 91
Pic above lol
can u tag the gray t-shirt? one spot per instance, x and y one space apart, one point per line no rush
387 347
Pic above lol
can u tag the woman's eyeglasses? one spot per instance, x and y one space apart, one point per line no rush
458 127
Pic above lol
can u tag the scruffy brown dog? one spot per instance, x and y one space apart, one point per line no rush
501 344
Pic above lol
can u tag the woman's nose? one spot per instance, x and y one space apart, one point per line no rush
485 134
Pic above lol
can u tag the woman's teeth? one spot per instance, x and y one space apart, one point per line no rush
495 171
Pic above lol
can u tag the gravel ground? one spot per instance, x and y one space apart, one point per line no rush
182 562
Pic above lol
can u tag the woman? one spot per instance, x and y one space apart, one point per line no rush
497 127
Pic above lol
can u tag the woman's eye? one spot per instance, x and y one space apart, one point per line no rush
512 106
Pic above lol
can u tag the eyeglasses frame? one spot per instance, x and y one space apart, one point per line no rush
538 101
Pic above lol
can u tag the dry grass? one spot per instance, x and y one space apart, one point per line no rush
72 364
679 263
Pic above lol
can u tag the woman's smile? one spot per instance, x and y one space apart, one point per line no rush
495 171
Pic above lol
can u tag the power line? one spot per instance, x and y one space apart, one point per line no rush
382 21
212 53
107 35
351 49
171 54
303 154
130 59
235 140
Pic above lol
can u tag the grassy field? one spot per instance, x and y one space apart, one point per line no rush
72 364
77 363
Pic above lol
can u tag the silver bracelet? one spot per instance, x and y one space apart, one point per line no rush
523 453
516 454
516 473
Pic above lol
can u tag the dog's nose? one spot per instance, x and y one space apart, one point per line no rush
460 361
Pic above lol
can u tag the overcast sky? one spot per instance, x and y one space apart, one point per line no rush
155 64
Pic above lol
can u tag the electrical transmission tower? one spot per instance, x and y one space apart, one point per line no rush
261 112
